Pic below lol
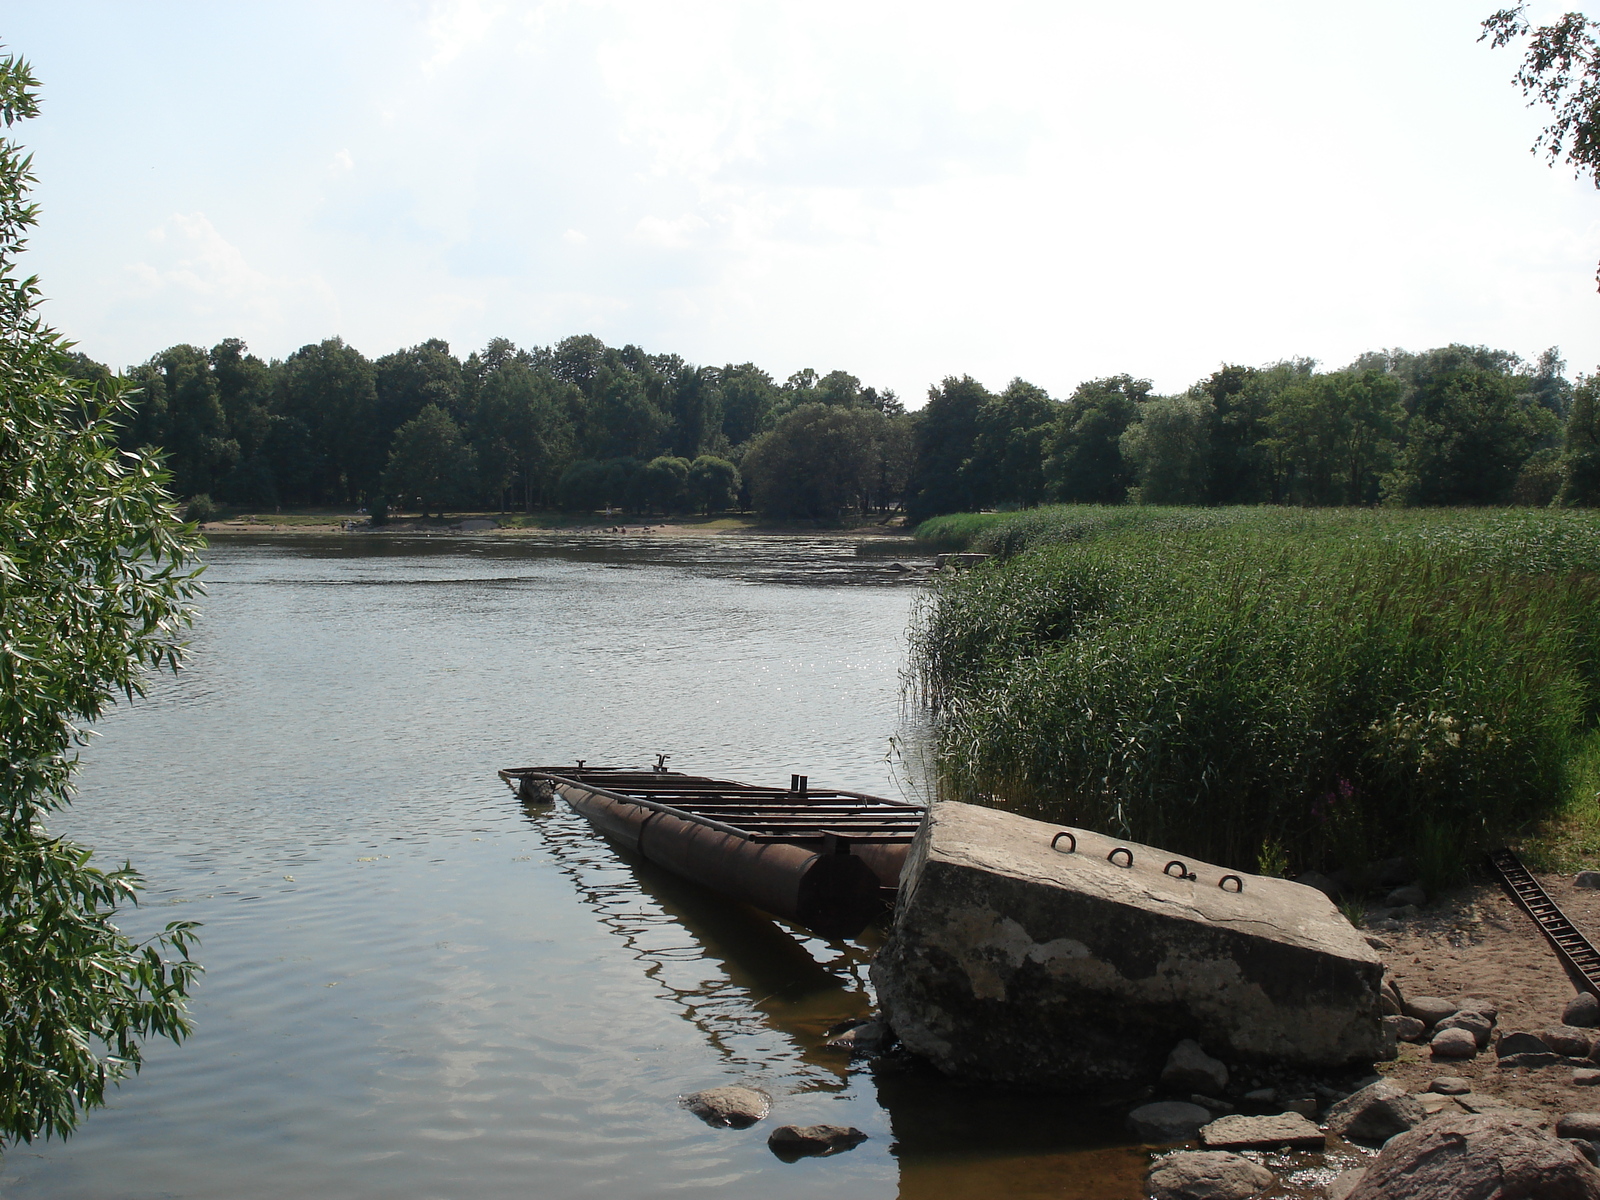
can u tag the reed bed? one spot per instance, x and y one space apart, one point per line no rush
1266 688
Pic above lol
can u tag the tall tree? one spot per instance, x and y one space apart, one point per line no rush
819 460
329 389
431 464
1169 446
523 432
185 418
1580 449
1007 463
96 576
1084 463
1337 435
946 429
1561 70
748 399
1472 422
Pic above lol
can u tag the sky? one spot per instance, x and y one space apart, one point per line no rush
1058 191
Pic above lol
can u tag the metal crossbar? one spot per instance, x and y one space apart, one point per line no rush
1571 946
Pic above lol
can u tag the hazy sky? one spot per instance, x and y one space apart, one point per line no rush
1054 190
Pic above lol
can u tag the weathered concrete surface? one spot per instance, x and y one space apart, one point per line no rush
1013 962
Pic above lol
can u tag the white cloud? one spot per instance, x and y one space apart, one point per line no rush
1050 189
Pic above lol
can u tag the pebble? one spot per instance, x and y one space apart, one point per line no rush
1585 1077
793 1141
1406 1029
1568 1040
1587 879
1583 1010
1578 1125
1261 1096
1479 1025
1454 1043
1430 1010
1449 1085
1520 1043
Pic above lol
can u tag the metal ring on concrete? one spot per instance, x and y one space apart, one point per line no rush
1112 857
1238 884
1056 841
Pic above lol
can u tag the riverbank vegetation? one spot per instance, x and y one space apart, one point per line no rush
581 426
1274 688
96 574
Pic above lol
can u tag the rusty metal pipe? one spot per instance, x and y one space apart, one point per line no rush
834 894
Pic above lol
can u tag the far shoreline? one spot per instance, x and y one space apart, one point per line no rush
324 524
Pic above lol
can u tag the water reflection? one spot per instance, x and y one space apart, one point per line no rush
734 973
415 991
731 971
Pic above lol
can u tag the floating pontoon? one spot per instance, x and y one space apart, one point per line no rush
828 860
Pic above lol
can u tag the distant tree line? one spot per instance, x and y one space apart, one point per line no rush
582 425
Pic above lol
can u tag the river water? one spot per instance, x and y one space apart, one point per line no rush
416 987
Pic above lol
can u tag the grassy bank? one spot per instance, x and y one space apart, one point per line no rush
1275 688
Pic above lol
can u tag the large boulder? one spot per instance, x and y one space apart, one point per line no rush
1014 962
1471 1156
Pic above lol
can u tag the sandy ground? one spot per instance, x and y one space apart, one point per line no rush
1477 942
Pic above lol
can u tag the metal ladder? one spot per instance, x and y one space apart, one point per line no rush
1581 959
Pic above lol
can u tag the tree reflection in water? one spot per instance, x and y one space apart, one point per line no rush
951 1142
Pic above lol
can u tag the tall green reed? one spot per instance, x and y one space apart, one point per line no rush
1242 683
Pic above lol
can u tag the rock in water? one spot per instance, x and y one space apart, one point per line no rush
1014 962
795 1141
1206 1175
1284 1131
1168 1121
1376 1113
737 1107
1190 1068
1482 1156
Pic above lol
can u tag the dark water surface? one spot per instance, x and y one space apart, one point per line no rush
416 987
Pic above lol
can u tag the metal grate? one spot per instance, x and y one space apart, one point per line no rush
1574 950
798 813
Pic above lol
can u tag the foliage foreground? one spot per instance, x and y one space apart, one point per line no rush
1271 689
95 574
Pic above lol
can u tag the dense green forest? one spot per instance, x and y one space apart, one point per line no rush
581 425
